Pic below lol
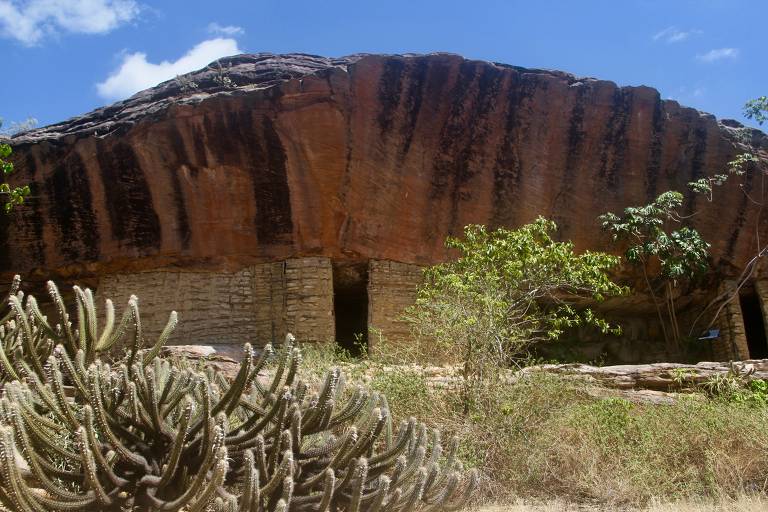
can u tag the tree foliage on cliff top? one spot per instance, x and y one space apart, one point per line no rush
11 195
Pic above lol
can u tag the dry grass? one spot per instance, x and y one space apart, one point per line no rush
546 438
741 504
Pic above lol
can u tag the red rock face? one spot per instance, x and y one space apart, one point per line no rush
354 158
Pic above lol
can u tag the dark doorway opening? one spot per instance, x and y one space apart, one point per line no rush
350 305
754 326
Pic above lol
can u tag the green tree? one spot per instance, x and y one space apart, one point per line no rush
11 195
757 109
666 252
508 289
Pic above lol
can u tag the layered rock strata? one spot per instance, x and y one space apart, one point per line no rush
194 193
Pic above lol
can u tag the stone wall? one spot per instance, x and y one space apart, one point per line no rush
268 289
641 341
732 343
214 307
257 304
391 289
261 303
309 299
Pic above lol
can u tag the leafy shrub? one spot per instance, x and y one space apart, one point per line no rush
507 290
137 433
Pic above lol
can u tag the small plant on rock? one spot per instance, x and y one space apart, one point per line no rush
737 386
11 195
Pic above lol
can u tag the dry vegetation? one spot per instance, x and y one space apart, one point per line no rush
546 438
740 504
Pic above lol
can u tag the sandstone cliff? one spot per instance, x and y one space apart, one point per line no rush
359 157
265 193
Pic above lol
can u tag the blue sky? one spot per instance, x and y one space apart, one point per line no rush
62 58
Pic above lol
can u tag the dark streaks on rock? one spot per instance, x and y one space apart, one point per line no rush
178 158
573 159
739 223
274 223
452 154
697 148
129 201
413 99
655 150
28 220
465 131
71 201
201 153
507 174
614 147
390 89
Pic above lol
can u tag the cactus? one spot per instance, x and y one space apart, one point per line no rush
80 431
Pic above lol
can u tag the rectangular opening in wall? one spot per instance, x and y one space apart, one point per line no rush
754 324
350 305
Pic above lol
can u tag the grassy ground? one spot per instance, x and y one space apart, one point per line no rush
741 504
549 440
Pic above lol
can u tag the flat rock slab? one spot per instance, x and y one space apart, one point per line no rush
225 358
653 383
657 376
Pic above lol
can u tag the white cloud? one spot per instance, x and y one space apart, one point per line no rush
674 35
685 94
225 30
30 21
136 73
718 54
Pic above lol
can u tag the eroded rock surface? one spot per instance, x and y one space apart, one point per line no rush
368 156
206 193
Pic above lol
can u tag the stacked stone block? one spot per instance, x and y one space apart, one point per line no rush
391 289
257 304
309 299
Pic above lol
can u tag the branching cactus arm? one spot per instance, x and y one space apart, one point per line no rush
139 434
